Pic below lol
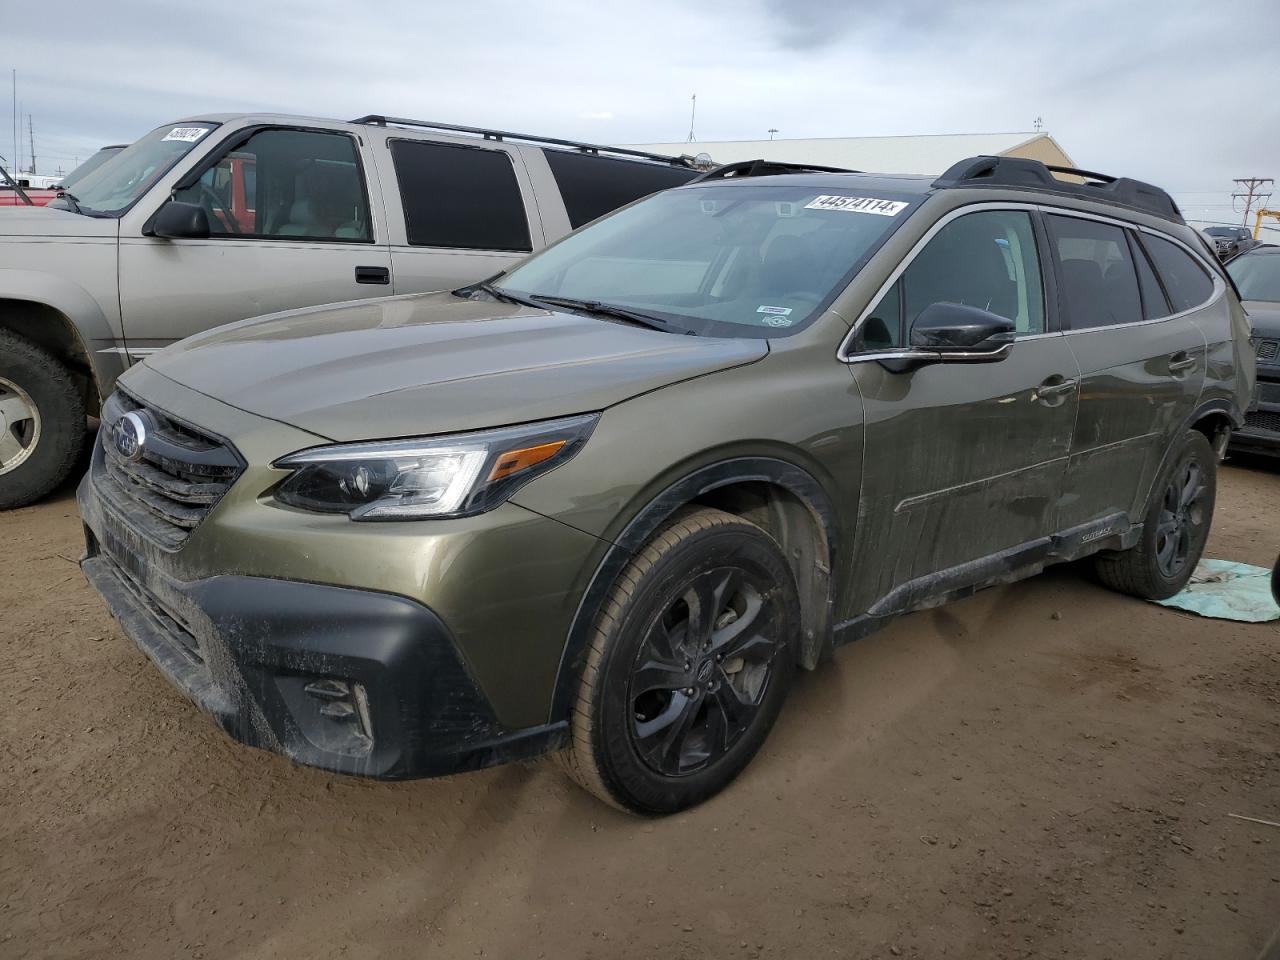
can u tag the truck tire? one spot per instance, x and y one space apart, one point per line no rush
687 668
1174 529
42 421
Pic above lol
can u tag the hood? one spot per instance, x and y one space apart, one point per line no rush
39 221
435 363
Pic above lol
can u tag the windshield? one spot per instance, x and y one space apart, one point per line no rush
737 260
93 163
1257 276
113 187
1226 231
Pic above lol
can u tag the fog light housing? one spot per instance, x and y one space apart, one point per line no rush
332 713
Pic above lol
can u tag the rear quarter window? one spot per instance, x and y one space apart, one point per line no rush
1186 282
593 185
460 197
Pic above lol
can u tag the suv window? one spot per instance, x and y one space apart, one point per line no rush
593 185
286 185
460 197
1154 303
1099 285
1185 280
986 259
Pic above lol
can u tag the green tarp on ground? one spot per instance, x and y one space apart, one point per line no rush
1228 591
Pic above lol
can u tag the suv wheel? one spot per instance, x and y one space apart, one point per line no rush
1175 528
42 421
688 666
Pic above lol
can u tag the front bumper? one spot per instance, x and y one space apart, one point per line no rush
353 681
1261 430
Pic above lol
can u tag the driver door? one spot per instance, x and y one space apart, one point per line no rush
291 222
964 460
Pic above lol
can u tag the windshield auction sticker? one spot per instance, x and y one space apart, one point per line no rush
885 208
186 134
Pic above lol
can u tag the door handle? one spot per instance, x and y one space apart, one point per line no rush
1181 361
1053 390
373 275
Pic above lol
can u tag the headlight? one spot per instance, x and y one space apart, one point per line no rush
447 476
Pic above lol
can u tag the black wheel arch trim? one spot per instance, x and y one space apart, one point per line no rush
794 479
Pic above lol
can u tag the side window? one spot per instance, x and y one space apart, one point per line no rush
1095 272
593 185
465 198
1187 283
286 184
1154 303
985 260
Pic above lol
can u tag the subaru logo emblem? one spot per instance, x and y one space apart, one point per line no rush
131 436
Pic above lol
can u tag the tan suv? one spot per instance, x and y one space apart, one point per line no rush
222 217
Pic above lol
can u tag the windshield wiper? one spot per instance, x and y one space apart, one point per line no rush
72 202
607 310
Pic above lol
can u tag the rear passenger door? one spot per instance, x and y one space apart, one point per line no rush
1141 365
458 212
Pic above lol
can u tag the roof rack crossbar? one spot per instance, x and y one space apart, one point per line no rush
1023 173
376 119
764 168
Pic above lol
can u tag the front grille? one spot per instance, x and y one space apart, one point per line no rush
1262 420
1267 349
182 472
1268 392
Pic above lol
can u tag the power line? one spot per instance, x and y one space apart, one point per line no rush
1251 190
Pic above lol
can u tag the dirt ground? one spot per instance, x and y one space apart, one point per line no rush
1043 770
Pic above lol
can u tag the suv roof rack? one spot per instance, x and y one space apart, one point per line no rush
1020 172
376 119
764 168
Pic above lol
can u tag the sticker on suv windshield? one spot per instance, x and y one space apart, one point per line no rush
885 208
780 311
186 134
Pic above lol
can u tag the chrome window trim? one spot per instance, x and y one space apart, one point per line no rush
844 356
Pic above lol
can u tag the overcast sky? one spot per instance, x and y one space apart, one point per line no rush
1179 93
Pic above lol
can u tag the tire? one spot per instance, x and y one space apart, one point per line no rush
1171 519
663 720
43 427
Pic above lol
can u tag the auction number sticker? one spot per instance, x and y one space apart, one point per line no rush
186 134
885 208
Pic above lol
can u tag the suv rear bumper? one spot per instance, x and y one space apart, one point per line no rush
348 680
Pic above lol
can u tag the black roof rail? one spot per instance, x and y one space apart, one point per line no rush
1019 172
596 148
764 168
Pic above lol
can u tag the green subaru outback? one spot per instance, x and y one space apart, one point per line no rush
606 503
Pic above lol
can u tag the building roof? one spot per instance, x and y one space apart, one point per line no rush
928 154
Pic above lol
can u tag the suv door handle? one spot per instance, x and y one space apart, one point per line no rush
1053 390
1181 361
373 275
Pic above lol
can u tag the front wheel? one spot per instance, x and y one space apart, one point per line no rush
688 666
1175 528
42 421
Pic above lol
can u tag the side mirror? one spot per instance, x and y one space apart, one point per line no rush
180 221
956 332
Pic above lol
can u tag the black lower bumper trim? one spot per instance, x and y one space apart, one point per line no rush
353 681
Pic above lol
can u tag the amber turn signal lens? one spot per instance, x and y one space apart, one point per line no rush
513 461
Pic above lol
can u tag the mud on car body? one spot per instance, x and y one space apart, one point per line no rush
605 503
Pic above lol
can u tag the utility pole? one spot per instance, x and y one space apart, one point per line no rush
772 131
1251 191
31 129
693 114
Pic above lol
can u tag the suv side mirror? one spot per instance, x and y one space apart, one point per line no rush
180 221
956 332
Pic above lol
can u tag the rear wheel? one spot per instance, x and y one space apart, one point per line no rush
42 421
688 666
1175 528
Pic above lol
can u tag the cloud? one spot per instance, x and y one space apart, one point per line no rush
1127 88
